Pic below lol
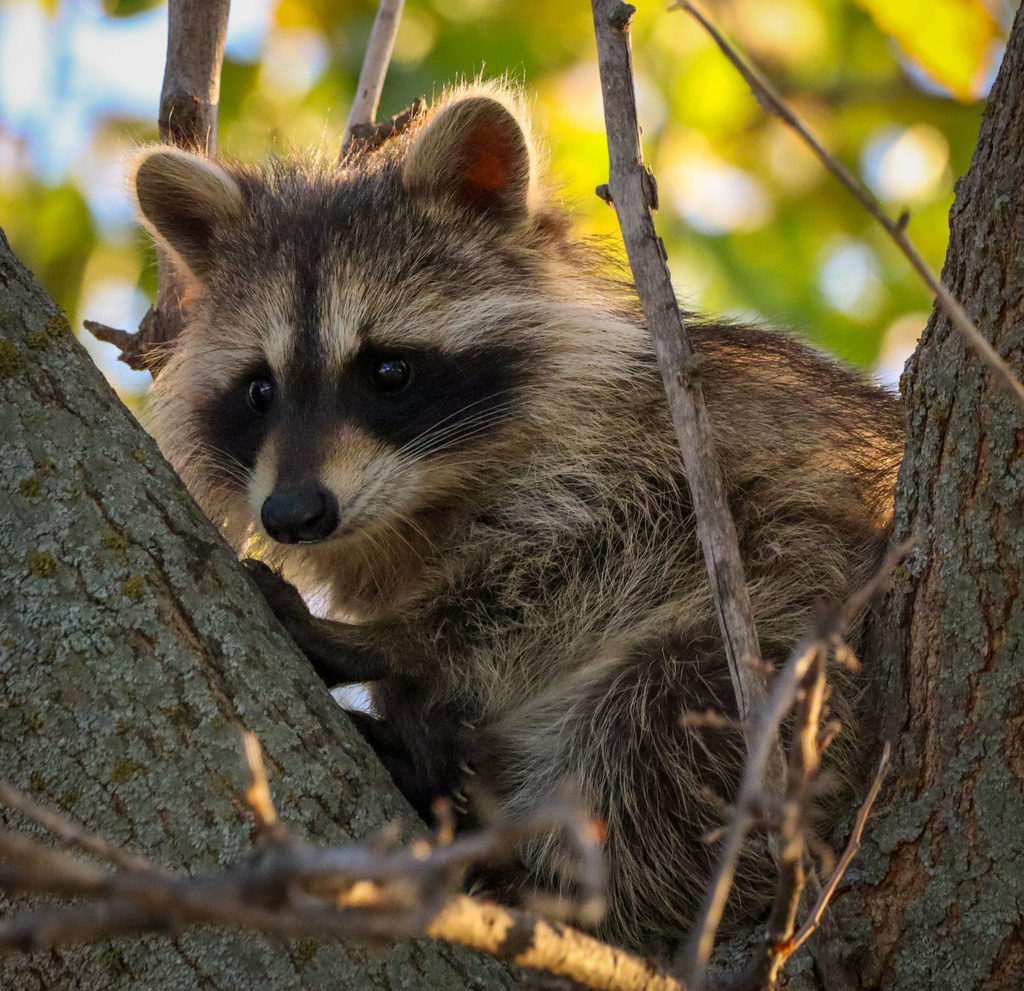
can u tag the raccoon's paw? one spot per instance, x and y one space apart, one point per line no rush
281 595
329 646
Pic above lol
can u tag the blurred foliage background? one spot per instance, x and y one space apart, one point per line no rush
755 228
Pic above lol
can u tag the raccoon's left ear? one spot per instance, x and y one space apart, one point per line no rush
186 201
472 156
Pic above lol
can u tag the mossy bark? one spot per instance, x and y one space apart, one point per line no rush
939 887
133 651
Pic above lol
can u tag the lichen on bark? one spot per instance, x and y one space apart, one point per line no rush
133 651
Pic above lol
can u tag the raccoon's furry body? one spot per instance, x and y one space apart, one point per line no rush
450 418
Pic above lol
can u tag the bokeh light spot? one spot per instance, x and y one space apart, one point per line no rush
849 279
292 61
908 166
713 196
788 31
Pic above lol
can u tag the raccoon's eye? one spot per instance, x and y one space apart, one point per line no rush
261 395
390 375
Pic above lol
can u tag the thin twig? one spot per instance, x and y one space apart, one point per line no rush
702 941
773 102
70 832
697 951
631 188
805 755
258 793
375 68
839 626
814 919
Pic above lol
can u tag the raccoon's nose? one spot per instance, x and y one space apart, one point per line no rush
300 516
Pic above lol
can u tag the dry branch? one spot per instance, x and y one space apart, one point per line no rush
805 755
367 137
542 946
196 30
70 832
373 72
632 190
290 889
772 101
750 800
814 919
754 795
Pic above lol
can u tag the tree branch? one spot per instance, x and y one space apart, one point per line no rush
196 30
290 889
632 190
374 70
752 797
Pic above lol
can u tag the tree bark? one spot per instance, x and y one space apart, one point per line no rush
133 651
940 882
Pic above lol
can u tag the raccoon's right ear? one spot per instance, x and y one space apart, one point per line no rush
185 201
473 156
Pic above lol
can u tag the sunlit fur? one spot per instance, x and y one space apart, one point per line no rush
532 567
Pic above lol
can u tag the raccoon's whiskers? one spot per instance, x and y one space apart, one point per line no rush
433 440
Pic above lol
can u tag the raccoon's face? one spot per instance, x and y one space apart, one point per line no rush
360 352
386 431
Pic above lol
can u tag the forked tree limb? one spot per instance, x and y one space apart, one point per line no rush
631 188
772 101
196 30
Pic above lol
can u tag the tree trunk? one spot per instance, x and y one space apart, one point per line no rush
941 879
133 652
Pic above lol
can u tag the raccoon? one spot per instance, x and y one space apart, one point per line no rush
407 387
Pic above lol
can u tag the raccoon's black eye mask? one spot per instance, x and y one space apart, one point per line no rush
401 396
234 422
422 399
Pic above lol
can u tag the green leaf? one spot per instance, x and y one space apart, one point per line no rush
127 8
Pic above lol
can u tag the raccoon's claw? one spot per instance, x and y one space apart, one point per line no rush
281 595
